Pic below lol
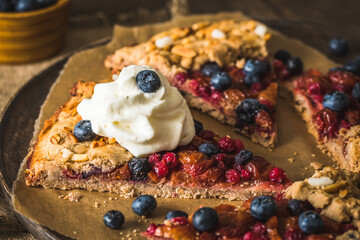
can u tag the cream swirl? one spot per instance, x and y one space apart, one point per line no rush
141 122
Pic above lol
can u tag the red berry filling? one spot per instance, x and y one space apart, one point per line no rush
233 176
160 169
151 229
246 174
226 144
277 175
153 158
179 220
170 160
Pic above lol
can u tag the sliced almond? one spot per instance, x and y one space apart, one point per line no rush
67 153
184 52
80 157
112 140
343 193
55 139
335 187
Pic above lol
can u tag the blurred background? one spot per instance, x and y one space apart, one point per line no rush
313 22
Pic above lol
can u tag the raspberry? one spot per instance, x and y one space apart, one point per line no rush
216 96
347 227
181 77
160 169
179 220
207 135
259 228
278 65
204 91
267 104
317 98
248 236
293 234
238 167
277 175
151 229
246 174
170 160
344 124
238 145
232 175
194 85
226 144
220 157
314 88
153 158
256 87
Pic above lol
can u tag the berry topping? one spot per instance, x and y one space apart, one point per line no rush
170 160
326 122
243 157
338 46
221 81
293 234
356 91
148 81
263 208
26 5
311 222
139 168
247 110
353 67
232 175
208 69
282 55
198 127
277 175
251 78
296 207
113 219
83 131
144 205
175 214
151 229
294 65
153 158
226 144
259 228
314 88
181 77
256 67
205 219
246 174
336 101
160 169
209 149
238 145
207 135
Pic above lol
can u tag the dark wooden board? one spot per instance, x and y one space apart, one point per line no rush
17 121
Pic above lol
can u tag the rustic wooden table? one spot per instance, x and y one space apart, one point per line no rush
313 22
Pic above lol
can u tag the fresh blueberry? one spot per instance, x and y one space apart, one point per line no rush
340 69
144 205
296 207
353 67
356 91
294 65
139 168
338 46
148 81
310 222
221 81
251 78
83 131
46 3
243 157
262 208
247 110
26 5
208 69
282 55
114 219
256 67
336 101
209 149
174 214
6 6
205 219
198 127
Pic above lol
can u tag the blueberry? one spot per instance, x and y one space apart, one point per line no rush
208 69
247 110
356 91
174 214
243 157
353 67
251 78
256 67
46 3
139 168
209 149
340 69
144 205
114 219
338 46
6 6
262 208
198 127
148 81
296 207
83 131
26 5
294 65
310 222
221 81
282 55
205 219
336 101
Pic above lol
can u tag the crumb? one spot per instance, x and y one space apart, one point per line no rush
116 198
270 149
291 160
74 232
61 196
302 174
306 168
143 217
110 198
313 155
135 230
145 220
96 204
73 196
121 233
296 153
122 238
316 165
104 201
139 220
128 235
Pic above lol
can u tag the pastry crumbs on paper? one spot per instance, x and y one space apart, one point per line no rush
291 160
313 155
296 153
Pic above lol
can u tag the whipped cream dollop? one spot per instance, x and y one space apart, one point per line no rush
141 122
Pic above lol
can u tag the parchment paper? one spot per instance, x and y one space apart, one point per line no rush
82 219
